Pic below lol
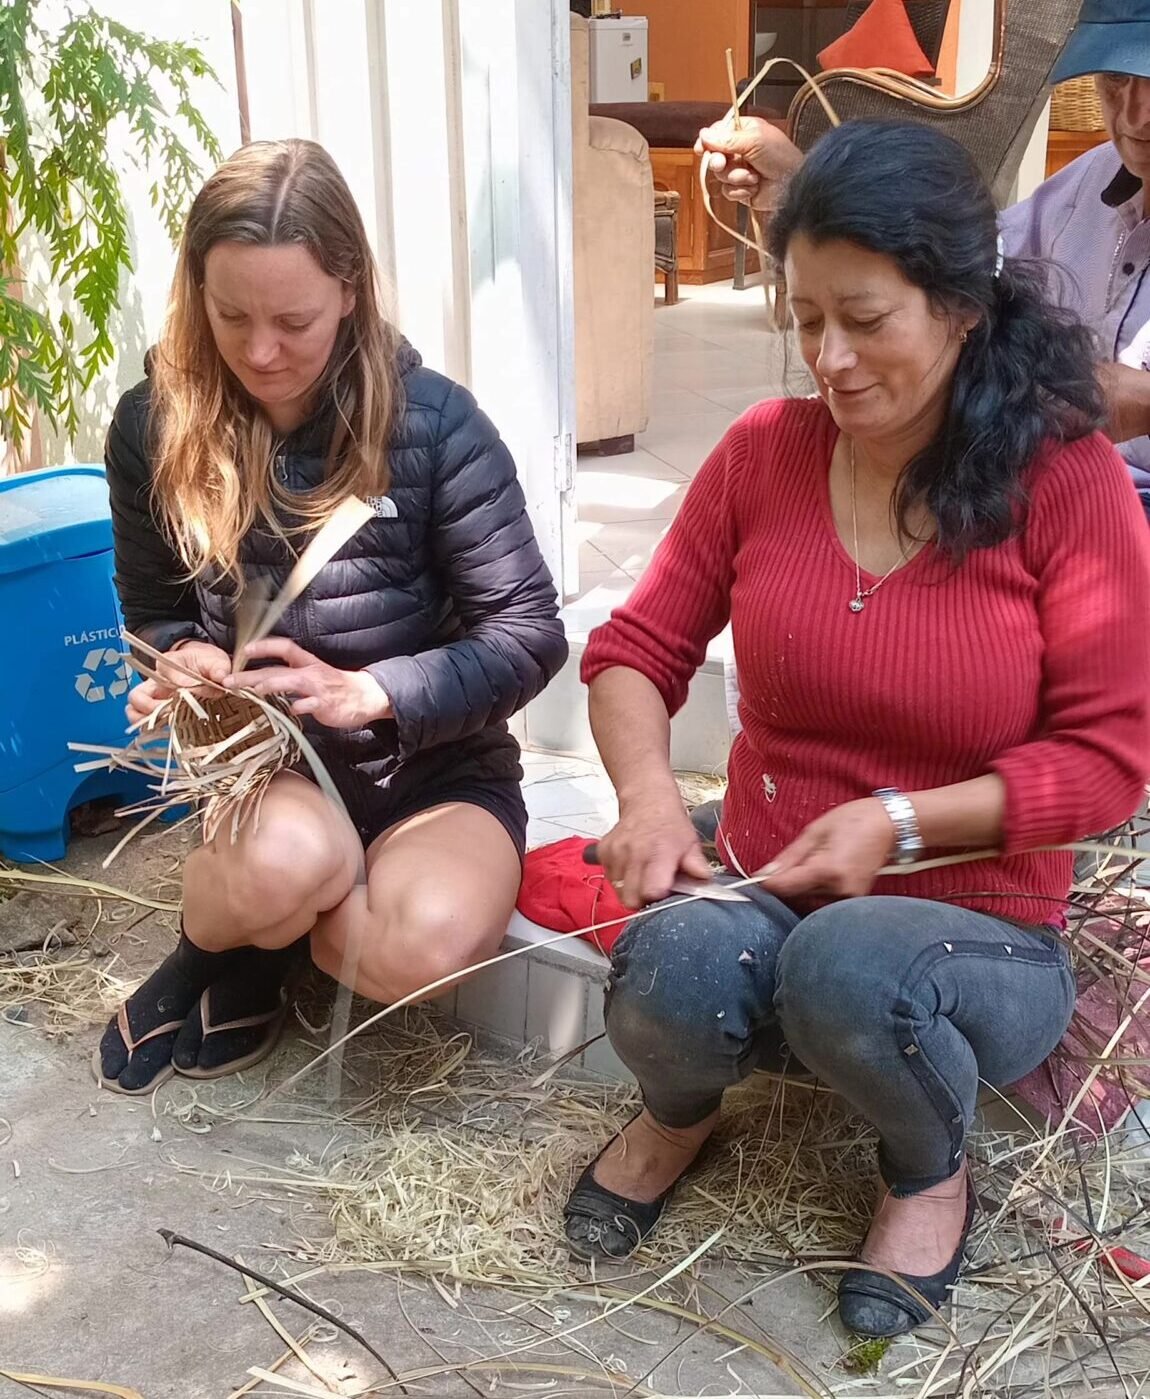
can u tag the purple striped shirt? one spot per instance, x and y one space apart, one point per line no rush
1091 220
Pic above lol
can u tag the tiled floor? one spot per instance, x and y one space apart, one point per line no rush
566 796
716 353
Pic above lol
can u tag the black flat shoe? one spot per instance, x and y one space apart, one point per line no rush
873 1305
602 1225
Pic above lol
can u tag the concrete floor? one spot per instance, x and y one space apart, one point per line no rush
88 1290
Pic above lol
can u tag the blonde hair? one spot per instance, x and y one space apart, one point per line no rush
214 475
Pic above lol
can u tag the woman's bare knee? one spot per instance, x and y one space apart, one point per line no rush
391 958
296 863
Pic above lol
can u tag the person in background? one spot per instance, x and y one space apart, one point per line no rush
1091 219
937 578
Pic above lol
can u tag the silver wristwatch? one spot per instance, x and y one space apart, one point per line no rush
908 844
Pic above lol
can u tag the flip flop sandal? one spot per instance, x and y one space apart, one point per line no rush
273 1019
131 1045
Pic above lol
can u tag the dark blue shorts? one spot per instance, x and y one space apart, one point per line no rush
374 808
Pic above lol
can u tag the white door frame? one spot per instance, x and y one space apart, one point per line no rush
452 121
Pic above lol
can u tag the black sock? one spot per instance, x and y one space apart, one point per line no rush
167 995
252 985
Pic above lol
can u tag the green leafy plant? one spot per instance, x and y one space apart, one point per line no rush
62 91
866 1357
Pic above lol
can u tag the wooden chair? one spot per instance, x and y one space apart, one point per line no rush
994 121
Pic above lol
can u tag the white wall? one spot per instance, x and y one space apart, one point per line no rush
516 142
975 43
317 71
975 50
451 120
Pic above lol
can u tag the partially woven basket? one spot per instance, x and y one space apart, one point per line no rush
1074 106
213 749
215 752
228 749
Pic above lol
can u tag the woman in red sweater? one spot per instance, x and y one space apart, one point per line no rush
938 581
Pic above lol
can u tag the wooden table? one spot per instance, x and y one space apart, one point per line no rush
706 252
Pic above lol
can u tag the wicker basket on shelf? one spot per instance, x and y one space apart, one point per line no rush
1074 106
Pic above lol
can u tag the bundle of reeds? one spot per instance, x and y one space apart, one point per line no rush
205 747
213 749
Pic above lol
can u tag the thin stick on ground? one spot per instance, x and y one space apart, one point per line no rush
174 1240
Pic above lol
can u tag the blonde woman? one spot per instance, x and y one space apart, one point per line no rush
279 389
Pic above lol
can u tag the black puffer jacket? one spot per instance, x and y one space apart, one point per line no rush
448 603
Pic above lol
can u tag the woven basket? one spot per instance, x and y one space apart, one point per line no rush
1074 106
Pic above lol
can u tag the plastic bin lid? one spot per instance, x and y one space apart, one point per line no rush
46 516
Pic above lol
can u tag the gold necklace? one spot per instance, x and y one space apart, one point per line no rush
858 602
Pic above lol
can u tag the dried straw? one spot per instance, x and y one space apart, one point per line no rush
459 1164
205 747
71 993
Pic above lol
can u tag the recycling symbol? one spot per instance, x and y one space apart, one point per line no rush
105 674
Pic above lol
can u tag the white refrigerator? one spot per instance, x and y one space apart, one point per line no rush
619 59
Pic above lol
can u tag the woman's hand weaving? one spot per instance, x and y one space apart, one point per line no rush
338 699
837 855
653 843
189 659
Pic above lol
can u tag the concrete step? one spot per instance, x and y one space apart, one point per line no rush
550 994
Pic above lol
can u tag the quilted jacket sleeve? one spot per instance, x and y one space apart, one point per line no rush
159 606
485 549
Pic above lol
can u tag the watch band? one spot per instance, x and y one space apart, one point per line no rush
908 844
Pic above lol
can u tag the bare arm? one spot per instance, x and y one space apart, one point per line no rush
1127 393
965 813
654 839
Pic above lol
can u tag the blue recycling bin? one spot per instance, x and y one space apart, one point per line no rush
65 676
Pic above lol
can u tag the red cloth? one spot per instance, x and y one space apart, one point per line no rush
561 892
1031 660
881 37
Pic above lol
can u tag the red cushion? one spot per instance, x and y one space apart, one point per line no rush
562 893
881 37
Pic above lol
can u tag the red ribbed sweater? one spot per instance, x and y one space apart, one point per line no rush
1031 660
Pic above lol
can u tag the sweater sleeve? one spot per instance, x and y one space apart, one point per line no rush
684 596
1085 769
158 603
484 547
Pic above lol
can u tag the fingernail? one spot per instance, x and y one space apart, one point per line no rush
770 869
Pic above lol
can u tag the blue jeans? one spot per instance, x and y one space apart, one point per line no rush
900 1005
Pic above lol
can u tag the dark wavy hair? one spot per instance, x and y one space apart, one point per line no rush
1026 371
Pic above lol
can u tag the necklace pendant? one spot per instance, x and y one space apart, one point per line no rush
856 604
